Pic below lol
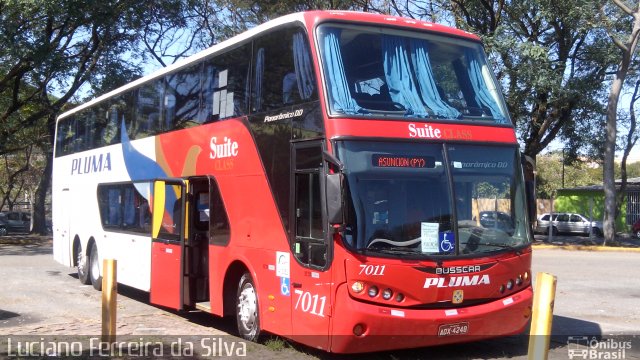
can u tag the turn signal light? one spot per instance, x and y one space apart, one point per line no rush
357 287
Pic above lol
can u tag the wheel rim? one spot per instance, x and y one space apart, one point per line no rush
247 307
638 234
3 231
95 269
82 262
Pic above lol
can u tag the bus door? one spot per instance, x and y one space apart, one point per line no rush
169 230
310 271
61 247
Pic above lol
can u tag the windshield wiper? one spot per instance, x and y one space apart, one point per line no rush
504 246
394 251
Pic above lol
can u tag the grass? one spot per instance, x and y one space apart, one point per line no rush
275 344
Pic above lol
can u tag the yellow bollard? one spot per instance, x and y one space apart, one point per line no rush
540 334
109 296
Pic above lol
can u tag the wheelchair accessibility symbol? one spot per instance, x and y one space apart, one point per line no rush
284 286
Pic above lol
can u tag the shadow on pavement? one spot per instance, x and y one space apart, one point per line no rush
621 240
564 328
25 249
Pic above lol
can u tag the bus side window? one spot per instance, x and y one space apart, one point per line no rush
148 110
283 73
182 98
124 209
225 85
219 230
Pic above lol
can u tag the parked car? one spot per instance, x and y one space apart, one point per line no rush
568 223
497 220
636 228
14 222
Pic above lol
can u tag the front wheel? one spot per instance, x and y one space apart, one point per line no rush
247 313
3 231
94 268
638 234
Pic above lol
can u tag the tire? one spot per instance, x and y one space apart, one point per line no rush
554 231
597 232
83 266
247 311
94 268
638 234
3 231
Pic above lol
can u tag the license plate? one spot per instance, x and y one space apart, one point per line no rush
460 328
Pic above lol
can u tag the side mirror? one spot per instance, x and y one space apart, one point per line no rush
334 198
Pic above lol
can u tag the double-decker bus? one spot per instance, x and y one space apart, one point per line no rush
331 177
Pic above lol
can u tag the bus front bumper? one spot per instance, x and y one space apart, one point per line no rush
387 328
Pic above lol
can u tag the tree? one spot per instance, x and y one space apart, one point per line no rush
194 25
626 44
549 61
48 51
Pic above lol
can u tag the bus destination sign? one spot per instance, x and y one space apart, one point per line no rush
402 161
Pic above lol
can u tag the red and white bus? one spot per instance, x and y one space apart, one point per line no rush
330 177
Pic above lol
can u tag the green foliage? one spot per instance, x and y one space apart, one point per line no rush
19 174
577 173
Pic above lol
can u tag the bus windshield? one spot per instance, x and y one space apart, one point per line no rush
407 74
404 199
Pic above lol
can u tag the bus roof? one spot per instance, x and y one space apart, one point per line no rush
309 17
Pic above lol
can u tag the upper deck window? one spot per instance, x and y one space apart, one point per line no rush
376 72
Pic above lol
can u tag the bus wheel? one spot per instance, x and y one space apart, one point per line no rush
247 314
83 266
94 268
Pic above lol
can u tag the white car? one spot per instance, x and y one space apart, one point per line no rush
568 223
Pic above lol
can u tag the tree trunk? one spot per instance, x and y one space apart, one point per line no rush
39 206
609 159
627 49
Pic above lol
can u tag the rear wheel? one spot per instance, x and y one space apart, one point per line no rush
83 266
247 314
94 268
3 231
597 232
638 234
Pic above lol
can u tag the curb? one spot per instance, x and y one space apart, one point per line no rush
585 248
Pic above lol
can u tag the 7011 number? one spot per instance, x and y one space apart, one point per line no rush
312 304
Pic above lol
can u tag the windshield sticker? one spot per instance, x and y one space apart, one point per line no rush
429 237
282 264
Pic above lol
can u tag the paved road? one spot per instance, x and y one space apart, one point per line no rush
598 293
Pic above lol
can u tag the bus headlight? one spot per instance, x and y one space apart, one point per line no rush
357 287
387 294
510 284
